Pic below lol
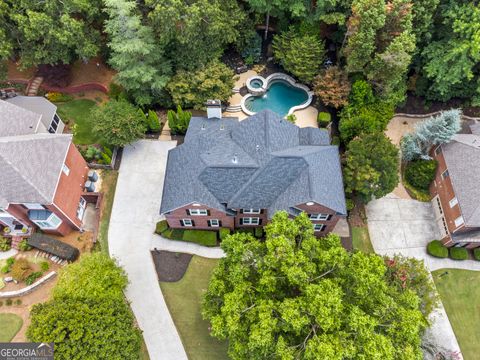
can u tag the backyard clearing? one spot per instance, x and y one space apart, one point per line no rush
78 112
184 300
11 324
459 292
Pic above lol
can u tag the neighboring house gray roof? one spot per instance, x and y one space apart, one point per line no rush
37 105
462 156
15 120
261 162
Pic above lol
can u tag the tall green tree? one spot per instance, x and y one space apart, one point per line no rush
423 17
300 52
54 32
142 67
294 296
195 32
6 45
372 165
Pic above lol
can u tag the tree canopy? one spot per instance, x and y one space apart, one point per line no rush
295 296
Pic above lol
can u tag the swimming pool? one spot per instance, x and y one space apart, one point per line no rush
278 92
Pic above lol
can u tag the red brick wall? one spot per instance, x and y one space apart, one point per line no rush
263 218
320 209
200 221
70 187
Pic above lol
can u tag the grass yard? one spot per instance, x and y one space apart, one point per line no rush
361 239
183 299
11 324
109 184
460 292
78 112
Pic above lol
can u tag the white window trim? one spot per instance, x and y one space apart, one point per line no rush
187 222
251 211
250 221
443 174
33 206
65 169
211 223
197 212
82 204
459 221
319 216
322 227
453 202
47 224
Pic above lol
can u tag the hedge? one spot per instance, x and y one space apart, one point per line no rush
223 233
420 173
202 237
324 119
437 249
258 232
458 253
476 254
161 227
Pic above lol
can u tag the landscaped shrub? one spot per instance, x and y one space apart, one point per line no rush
323 119
8 302
258 232
223 233
476 254
291 118
5 244
420 173
18 302
58 97
437 249
116 92
44 266
335 140
20 269
23 245
458 253
8 266
161 227
202 237
350 204
32 277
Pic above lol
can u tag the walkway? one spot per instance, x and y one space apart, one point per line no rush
34 86
134 214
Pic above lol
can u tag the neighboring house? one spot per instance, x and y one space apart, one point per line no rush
42 177
455 190
49 121
237 174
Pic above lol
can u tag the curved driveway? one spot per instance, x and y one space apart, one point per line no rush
134 214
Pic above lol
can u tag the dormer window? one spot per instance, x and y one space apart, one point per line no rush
319 217
251 211
197 212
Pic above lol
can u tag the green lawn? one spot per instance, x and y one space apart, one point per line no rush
361 239
109 184
11 324
78 112
460 291
184 301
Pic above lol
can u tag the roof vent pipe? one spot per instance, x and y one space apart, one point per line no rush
235 159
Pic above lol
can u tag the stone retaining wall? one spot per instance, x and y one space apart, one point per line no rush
420 116
29 288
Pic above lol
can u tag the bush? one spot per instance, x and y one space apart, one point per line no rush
23 245
20 269
116 92
437 249
5 244
32 277
44 266
161 227
420 173
291 118
458 253
8 266
8 302
350 204
58 97
323 119
202 237
153 122
223 233
18 302
335 140
476 254
258 232
173 234
178 121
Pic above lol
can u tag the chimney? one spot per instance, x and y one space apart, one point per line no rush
214 109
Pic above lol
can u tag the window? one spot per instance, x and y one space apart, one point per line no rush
65 169
453 202
52 222
319 216
251 211
319 227
81 208
438 150
196 212
30 206
445 174
54 124
458 221
213 223
186 222
250 221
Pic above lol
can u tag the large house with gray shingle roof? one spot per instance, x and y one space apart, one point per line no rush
455 189
42 177
234 174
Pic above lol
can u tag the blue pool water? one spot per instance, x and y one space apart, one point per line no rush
280 97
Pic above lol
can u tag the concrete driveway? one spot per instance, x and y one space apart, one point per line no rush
134 214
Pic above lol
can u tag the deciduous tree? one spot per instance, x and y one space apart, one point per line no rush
332 86
294 296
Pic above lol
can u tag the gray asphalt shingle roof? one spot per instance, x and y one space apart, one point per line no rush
462 156
261 162
15 120
38 105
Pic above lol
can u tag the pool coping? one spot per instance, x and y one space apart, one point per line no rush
266 82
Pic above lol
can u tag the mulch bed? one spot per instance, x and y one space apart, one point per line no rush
170 266
416 105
